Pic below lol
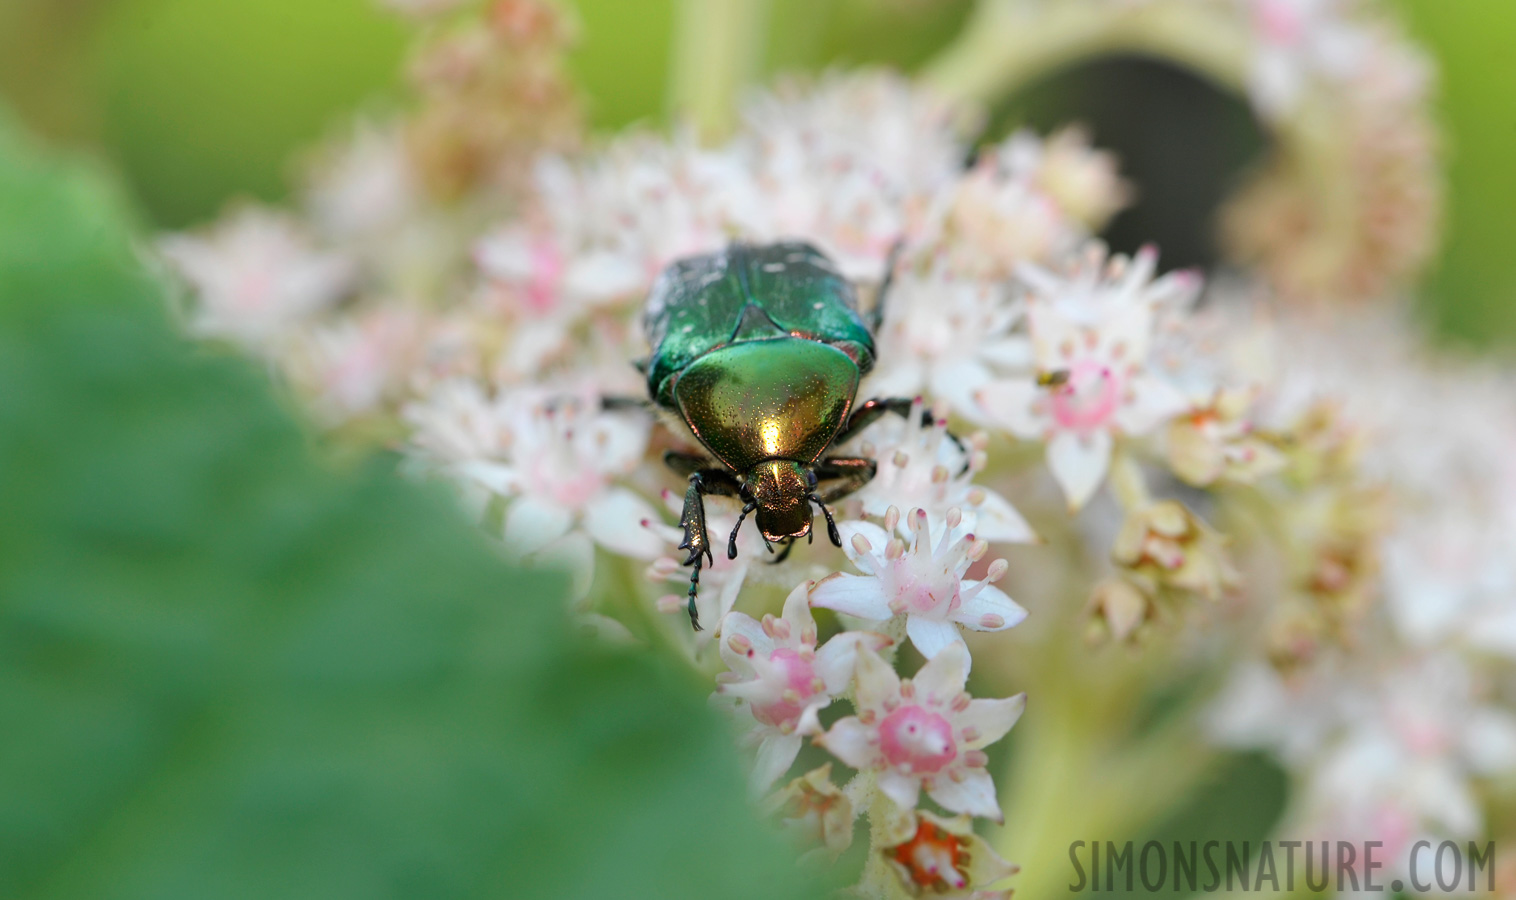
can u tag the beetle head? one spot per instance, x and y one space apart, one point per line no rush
781 488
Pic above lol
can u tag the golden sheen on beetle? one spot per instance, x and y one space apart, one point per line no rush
759 350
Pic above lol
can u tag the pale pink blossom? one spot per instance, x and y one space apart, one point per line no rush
353 366
255 276
780 676
922 581
1298 43
1091 329
921 466
556 457
946 336
1084 182
924 733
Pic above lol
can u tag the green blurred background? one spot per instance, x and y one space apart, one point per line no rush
199 101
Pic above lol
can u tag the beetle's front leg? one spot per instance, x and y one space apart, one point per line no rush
696 540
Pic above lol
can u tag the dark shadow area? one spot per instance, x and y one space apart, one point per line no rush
1183 142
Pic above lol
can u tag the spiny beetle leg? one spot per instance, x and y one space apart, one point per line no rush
622 403
876 315
696 540
692 520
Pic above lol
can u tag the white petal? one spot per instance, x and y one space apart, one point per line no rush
531 524
1009 404
573 553
737 624
1490 741
974 795
991 718
1014 352
712 605
957 384
901 378
855 595
944 675
603 276
614 520
1079 463
1494 631
997 521
776 754
904 790
497 478
797 612
838 658
877 683
877 537
849 741
989 601
931 636
1154 401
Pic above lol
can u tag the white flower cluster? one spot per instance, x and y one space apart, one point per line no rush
1389 742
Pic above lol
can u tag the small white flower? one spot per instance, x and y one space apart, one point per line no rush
1092 327
925 733
992 219
946 336
919 466
365 187
1299 41
922 582
850 164
255 276
351 367
783 679
1084 181
556 457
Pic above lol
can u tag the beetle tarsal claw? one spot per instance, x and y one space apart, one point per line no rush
731 544
831 524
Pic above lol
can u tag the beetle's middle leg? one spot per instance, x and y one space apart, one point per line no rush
876 314
843 475
696 540
871 411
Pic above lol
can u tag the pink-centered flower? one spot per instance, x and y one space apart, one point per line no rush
783 679
352 366
555 457
924 733
921 466
922 581
1092 329
255 276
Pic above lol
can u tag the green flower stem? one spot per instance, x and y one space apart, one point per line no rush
718 50
1080 768
1128 483
996 54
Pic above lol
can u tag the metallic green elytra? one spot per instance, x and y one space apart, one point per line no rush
759 350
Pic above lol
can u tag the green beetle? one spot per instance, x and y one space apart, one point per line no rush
759 350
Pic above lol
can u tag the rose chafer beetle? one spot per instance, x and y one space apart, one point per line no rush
759 351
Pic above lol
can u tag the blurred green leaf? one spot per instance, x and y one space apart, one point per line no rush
228 671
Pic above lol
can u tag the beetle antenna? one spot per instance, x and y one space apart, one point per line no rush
831 526
731 544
